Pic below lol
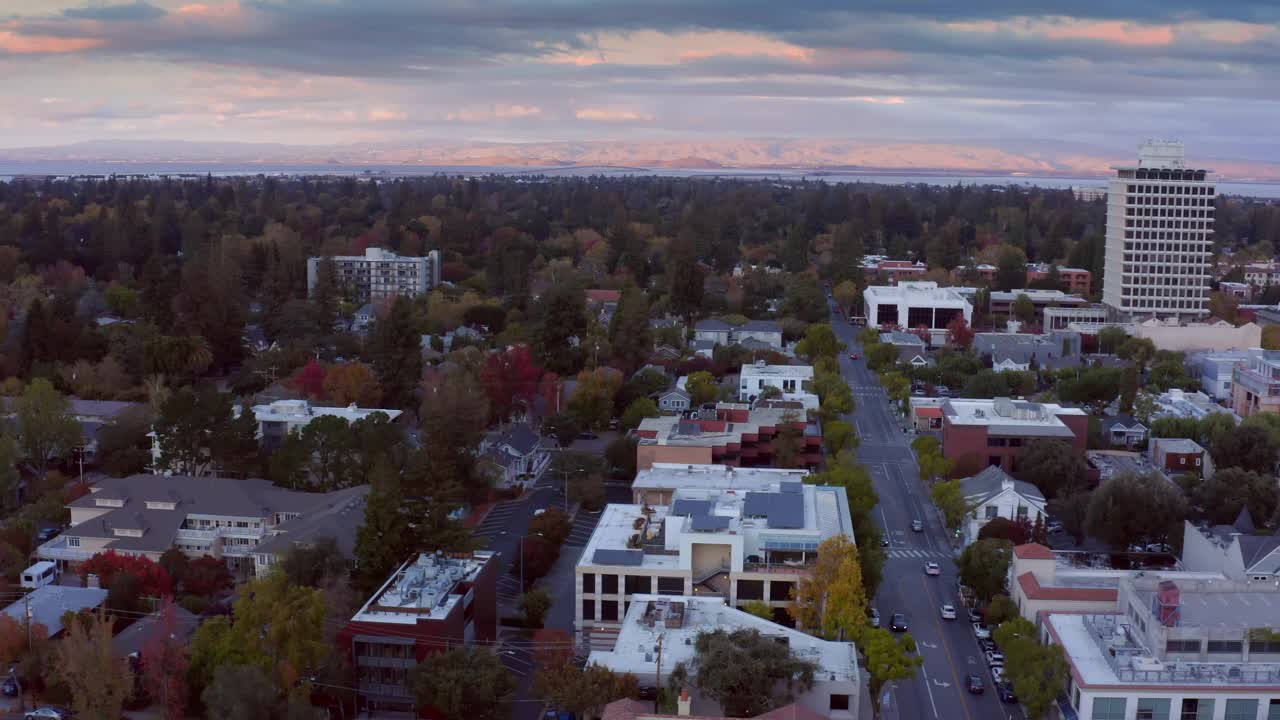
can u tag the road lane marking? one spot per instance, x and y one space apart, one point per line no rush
929 689
951 661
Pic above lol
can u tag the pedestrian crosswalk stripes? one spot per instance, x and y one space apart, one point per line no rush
908 553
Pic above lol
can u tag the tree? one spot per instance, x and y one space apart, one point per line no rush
887 660
1139 351
582 691
1001 528
395 352
330 445
1072 509
206 576
592 400
463 684
324 297
562 328
198 433
352 383
1024 309
164 665
1011 268
1223 494
48 430
98 679
804 299
630 337
563 427
1110 339
1037 672
1000 609
240 691
702 388
838 436
959 334
1130 507
685 285
819 341
9 477
312 564
535 604
1053 466
638 410
1128 388
454 419
846 293
948 496
382 540
740 670
552 524
832 601
984 566
1250 448
153 581
510 379
759 608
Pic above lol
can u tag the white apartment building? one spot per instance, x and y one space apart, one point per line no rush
1159 236
660 633
750 541
380 274
794 381
914 304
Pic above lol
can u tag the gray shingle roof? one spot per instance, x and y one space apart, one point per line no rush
135 637
339 519
988 483
1261 553
762 326
713 325
49 603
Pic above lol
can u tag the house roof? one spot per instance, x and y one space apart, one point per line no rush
135 637
1121 422
675 391
1180 446
1032 588
1033 551
519 437
712 325
755 344
340 519
598 295
761 326
990 482
49 603
1260 552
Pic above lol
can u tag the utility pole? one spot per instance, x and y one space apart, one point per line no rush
657 677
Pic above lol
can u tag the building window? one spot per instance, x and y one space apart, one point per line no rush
609 584
1022 511
1182 646
1197 709
1108 709
1153 709
73 541
1273 713
993 512
638 584
1239 709
670 585
1226 646
780 591
609 610
838 702
588 582
750 589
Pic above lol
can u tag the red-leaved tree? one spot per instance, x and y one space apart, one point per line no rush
205 576
154 580
959 334
510 377
164 665
310 380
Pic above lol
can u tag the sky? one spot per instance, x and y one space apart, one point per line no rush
1101 73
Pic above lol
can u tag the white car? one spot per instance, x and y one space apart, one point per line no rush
932 568
997 673
981 631
995 658
948 612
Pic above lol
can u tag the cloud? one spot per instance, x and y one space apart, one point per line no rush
134 11
386 115
24 44
611 115
493 112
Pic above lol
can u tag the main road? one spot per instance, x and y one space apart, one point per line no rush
948 647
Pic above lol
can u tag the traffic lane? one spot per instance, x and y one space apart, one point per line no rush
912 696
969 658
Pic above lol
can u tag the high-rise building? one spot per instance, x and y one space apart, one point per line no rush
380 274
1159 236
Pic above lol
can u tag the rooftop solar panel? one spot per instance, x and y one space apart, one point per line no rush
786 511
631 558
792 486
710 523
691 508
756 504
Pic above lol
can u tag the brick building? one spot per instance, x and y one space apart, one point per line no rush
737 435
978 433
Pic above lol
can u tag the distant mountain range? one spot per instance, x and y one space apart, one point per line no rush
811 156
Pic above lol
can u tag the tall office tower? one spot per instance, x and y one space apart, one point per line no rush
1159 237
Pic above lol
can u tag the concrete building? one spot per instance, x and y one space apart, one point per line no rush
1262 274
1039 584
912 305
992 494
1218 336
753 334
660 633
978 433
1077 281
1255 384
1086 319
430 604
1241 291
1215 370
1159 236
1176 456
1173 649
752 541
1002 302
734 434
380 274
795 382
658 484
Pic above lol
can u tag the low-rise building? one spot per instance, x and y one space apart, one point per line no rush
1240 291
1214 371
795 382
1255 384
992 494
48 604
754 334
1085 319
1235 550
1180 403
926 413
912 349
660 633
1221 335
1039 584
1124 431
749 542
733 434
979 432
716 332
914 305
1192 650
90 414
675 400
515 455
893 270
430 604
1262 274
1026 351
1074 280
1175 456
1002 302
658 484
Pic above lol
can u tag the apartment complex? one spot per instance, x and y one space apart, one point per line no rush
751 540
660 633
1255 384
1159 236
430 604
733 434
978 433
916 304
380 274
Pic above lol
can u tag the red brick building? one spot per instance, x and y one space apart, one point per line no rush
432 603
738 436
979 433
1176 456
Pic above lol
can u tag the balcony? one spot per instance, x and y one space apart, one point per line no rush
57 549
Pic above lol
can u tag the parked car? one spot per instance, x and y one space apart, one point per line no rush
875 617
943 391
918 393
1005 691
47 533
973 684
884 541
47 713
10 686
948 612
997 673
587 435
988 645
898 623
932 568
994 657
917 526
974 615
981 631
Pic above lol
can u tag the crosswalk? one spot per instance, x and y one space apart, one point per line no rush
911 553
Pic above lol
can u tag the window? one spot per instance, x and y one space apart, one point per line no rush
1256 646
1273 712
780 591
1239 709
1196 709
671 586
1153 709
838 702
73 541
1108 709
1022 511
1226 646
588 609
609 610
1182 646
638 584
992 512
588 582
609 584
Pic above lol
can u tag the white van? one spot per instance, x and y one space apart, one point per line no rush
41 574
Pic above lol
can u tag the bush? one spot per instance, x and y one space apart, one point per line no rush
553 525
537 557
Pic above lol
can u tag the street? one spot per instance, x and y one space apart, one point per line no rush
948 647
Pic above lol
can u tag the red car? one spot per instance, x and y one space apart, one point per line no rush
855 356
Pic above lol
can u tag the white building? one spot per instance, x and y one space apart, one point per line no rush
794 381
1082 318
1159 236
1214 370
660 633
1169 334
914 304
747 542
380 274
1176 650
993 493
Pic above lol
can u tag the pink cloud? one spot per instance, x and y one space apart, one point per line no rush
493 112
386 115
612 115
1112 32
20 44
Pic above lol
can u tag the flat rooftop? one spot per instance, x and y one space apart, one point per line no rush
424 588
1008 416
303 411
782 371
721 477
1229 609
679 621
677 430
914 291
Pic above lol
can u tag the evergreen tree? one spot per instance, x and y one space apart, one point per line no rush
383 541
685 276
629 334
324 298
562 327
395 350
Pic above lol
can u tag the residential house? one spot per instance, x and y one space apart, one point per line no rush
1124 431
1236 550
993 493
980 432
431 603
339 520
1176 456
46 605
672 624
90 414
793 381
1214 370
716 332
515 454
674 400
764 333
911 348
1025 351
364 317
133 640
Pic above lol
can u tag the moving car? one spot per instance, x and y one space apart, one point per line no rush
1005 691
917 526
948 612
47 533
974 615
10 686
973 684
855 356
884 541
932 568
981 631
898 623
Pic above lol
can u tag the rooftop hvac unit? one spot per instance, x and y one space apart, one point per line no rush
1168 604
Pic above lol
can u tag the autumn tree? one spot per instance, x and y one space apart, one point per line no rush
887 660
984 566
630 337
846 293
454 418
164 665
832 601
582 691
637 411
86 663
592 400
464 684
702 388
959 334
562 327
352 383
510 379
685 277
